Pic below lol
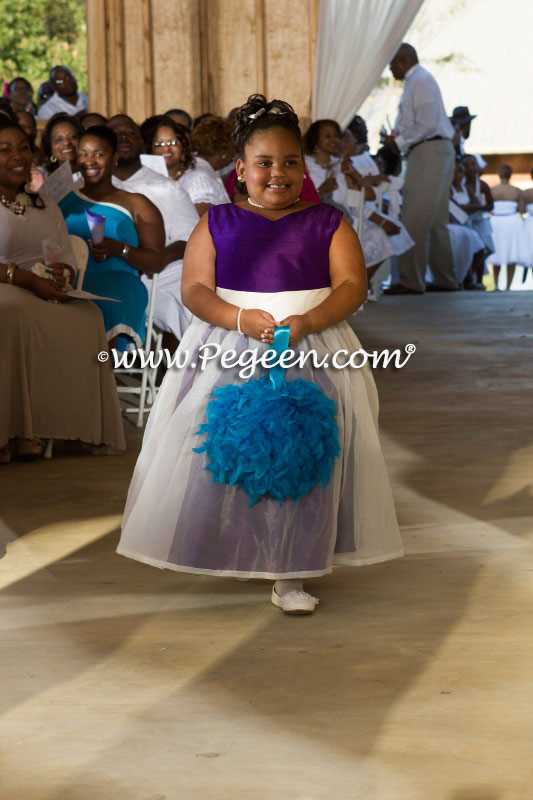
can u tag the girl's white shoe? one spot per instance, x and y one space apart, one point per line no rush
295 601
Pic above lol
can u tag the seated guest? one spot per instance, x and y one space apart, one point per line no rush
333 176
480 202
168 139
28 125
196 121
180 116
52 383
467 247
361 158
164 137
6 110
389 163
179 217
90 118
461 120
506 226
61 138
66 98
45 92
133 242
213 147
20 95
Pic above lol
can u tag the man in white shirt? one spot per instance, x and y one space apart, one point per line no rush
66 98
179 216
423 136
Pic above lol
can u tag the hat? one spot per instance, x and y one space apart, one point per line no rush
60 66
462 115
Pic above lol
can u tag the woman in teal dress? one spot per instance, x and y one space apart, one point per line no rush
133 243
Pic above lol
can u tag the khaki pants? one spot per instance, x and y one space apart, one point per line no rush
426 194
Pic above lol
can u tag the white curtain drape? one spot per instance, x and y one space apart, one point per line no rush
356 39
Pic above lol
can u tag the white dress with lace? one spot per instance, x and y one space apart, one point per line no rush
203 185
377 246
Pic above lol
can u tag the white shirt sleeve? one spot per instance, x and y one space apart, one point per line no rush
202 188
185 216
422 114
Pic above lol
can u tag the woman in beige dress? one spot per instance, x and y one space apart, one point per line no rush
52 385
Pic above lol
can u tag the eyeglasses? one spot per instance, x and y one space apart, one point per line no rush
59 81
173 143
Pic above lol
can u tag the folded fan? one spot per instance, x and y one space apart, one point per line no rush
271 436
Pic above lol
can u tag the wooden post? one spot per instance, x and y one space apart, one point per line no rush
260 46
204 56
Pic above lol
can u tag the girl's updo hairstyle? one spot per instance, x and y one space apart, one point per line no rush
313 134
257 115
103 132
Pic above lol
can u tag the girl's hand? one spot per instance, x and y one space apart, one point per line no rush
258 324
298 325
46 289
107 248
57 271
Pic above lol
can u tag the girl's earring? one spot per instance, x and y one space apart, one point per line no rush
53 159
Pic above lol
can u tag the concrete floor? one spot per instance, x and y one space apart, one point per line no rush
411 682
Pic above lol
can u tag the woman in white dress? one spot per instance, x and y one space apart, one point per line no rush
480 204
380 236
52 384
468 250
507 226
196 175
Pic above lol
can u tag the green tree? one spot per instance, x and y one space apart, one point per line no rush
36 35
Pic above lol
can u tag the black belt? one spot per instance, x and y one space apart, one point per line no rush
432 139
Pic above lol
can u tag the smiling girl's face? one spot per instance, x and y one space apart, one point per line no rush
273 168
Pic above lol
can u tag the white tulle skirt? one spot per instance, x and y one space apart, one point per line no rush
175 518
507 233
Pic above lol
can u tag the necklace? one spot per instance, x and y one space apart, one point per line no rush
257 205
17 206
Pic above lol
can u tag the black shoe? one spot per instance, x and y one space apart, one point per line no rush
431 287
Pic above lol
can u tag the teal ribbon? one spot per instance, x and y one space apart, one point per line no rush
280 344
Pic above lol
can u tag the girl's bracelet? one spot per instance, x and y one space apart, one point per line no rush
239 329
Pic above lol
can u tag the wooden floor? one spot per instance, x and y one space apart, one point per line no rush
411 682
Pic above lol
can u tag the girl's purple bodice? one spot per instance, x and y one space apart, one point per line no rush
255 254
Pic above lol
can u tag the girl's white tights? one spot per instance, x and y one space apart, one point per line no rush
282 587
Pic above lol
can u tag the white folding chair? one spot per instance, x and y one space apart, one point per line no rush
80 250
146 388
356 202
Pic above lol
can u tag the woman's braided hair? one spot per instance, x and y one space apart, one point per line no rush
259 115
